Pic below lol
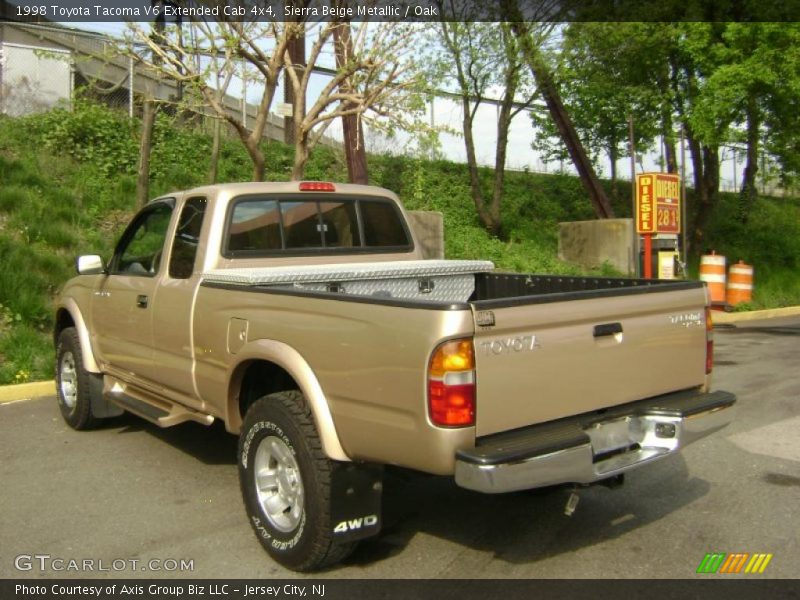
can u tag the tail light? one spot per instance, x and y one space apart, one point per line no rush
451 384
317 186
709 342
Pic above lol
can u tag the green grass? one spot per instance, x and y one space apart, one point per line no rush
68 182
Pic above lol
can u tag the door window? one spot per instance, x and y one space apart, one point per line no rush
140 249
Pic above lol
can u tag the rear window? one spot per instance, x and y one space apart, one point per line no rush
263 225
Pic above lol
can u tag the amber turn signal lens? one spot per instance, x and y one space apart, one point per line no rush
455 356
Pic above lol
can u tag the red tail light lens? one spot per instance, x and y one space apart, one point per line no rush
317 186
451 384
709 342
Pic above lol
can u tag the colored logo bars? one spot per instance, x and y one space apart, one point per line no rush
741 562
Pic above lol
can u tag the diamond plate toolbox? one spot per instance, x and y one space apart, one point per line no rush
436 280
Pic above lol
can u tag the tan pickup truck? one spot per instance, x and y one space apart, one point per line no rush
303 316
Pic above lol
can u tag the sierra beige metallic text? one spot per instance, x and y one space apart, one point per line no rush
304 317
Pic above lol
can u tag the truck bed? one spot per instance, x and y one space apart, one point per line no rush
495 290
547 347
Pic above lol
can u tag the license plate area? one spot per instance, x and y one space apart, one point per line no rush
611 436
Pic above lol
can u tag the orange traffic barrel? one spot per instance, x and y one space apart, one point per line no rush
740 283
712 271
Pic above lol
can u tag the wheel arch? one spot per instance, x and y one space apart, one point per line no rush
268 366
69 315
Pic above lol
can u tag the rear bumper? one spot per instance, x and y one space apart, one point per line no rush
592 447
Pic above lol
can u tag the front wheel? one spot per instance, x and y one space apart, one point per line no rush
285 479
75 386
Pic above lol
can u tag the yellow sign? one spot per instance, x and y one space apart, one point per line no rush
658 203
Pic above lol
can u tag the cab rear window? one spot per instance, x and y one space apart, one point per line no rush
266 225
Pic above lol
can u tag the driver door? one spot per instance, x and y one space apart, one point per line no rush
122 312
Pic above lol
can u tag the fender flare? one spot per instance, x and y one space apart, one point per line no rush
296 366
89 362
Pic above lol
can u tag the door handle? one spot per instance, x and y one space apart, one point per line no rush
607 329
141 301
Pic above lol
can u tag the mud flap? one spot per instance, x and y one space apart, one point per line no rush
356 491
101 407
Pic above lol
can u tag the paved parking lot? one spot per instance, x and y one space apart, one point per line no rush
133 492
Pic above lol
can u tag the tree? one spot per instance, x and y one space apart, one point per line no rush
545 78
378 79
606 76
755 71
259 44
352 129
379 75
480 57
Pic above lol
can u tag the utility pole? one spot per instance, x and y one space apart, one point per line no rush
632 144
297 53
148 117
684 210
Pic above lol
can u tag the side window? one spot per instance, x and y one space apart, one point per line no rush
187 237
139 251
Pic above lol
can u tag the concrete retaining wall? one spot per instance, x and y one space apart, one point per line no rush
591 243
428 227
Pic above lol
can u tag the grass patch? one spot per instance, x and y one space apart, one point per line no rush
26 354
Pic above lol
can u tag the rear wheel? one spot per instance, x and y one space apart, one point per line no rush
74 384
286 479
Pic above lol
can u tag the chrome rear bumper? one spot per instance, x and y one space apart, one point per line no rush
590 448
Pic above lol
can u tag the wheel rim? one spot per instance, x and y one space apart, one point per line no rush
68 380
279 486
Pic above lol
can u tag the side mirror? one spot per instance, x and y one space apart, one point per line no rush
89 264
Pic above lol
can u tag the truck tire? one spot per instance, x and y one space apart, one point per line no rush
75 386
285 479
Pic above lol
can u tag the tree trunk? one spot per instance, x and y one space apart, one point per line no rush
748 194
667 123
256 156
354 150
670 153
707 193
566 129
300 156
213 167
503 125
145 146
472 168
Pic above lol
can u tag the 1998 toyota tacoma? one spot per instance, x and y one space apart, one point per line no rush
303 316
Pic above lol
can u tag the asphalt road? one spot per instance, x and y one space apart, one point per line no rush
133 492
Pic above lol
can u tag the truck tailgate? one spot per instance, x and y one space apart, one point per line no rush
548 358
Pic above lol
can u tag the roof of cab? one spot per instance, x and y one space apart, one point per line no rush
271 187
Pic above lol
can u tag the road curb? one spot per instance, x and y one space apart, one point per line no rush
723 318
27 391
